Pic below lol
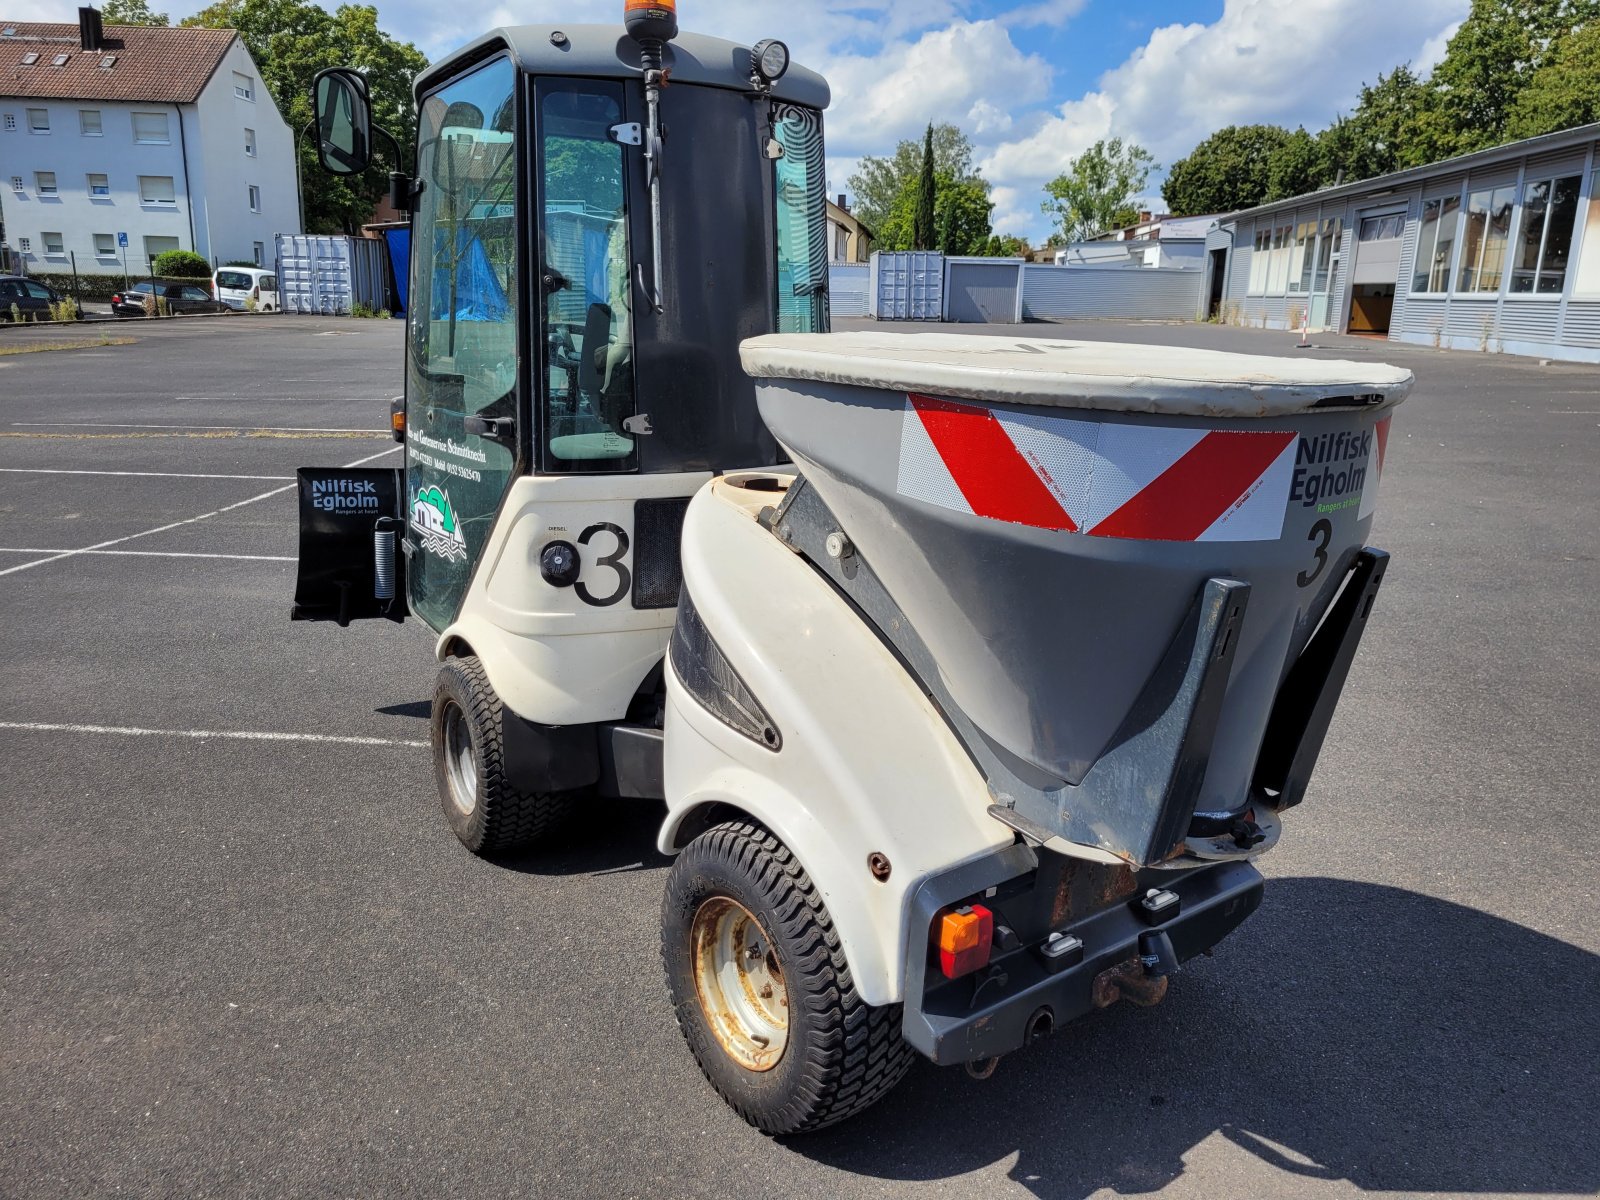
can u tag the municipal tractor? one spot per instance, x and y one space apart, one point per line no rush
973 672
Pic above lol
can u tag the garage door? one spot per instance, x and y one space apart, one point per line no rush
983 292
1378 248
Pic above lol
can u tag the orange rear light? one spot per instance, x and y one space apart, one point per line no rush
397 420
965 937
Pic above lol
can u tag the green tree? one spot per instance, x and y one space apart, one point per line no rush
1295 166
1230 170
878 182
927 196
1394 126
1495 54
291 40
1097 190
131 12
960 217
1564 92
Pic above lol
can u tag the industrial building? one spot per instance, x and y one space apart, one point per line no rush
1498 250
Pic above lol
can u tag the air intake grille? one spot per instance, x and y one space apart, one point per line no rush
658 571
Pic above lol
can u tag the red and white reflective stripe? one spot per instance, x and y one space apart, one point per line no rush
1102 478
1369 491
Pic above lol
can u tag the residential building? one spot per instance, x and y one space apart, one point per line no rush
160 138
1154 240
1498 250
849 241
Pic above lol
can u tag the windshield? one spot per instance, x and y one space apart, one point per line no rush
802 200
586 278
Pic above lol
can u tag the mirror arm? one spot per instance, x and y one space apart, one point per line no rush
654 79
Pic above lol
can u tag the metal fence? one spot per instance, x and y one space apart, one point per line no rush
1155 293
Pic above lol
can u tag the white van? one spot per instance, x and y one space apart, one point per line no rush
234 286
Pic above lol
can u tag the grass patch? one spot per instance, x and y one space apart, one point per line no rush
41 347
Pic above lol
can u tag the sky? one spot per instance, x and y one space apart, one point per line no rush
1032 82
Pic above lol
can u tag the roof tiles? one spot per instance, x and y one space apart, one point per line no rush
153 64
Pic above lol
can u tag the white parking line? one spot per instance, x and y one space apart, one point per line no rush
152 554
131 474
241 735
39 562
251 428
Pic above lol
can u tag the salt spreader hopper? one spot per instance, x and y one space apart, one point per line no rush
1022 667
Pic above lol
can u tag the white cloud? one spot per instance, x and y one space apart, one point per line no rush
1049 14
1262 61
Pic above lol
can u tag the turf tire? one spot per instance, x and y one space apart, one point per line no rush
843 1054
503 818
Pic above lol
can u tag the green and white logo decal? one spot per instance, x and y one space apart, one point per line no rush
436 523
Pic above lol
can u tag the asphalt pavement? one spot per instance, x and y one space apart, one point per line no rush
261 966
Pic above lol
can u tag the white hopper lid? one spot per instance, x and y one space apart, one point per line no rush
1119 376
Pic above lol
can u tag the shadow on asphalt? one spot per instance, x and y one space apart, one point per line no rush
422 709
617 837
1348 1032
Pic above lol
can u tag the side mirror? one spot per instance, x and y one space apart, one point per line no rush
344 121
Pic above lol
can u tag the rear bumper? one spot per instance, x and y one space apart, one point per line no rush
989 1013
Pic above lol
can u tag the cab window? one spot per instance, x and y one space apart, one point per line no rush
802 200
586 279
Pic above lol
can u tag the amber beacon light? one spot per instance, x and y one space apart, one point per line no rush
651 20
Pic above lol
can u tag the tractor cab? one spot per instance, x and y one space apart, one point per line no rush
599 216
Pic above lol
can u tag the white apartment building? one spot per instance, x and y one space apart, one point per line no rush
119 143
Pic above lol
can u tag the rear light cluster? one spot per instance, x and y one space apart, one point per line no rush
966 936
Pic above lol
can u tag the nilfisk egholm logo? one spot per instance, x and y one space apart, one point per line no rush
435 521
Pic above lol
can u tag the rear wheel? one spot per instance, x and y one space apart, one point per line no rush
481 805
762 990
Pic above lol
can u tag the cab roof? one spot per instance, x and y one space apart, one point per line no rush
1117 376
607 52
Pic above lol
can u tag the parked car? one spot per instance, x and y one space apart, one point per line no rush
179 298
236 286
31 298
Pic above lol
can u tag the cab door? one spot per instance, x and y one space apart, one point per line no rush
466 412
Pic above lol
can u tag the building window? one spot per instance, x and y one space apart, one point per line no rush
1332 231
1435 242
89 122
260 253
250 142
105 245
156 189
39 120
44 183
1486 227
99 185
150 129
156 246
1587 276
255 198
53 244
1300 260
61 60
243 86
1549 213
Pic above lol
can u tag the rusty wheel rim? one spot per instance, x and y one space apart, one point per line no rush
738 979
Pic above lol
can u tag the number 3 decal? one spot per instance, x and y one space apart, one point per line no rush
612 560
1323 529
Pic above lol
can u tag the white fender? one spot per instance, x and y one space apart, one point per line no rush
866 764
551 657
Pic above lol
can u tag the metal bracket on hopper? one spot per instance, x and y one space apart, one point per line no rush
1310 691
1135 803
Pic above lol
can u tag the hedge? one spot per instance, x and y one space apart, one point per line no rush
98 287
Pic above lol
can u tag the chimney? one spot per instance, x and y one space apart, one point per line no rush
1144 217
843 207
91 36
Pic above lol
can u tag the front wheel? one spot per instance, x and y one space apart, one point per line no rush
762 990
484 810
